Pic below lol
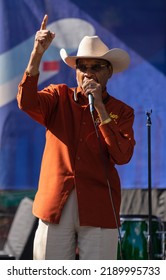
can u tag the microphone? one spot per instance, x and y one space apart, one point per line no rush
91 102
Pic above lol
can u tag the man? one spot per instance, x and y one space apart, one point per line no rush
79 188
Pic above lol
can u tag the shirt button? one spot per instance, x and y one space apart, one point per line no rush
84 123
81 140
78 158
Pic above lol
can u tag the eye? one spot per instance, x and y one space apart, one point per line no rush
96 67
82 67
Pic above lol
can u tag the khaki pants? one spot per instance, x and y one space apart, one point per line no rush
58 242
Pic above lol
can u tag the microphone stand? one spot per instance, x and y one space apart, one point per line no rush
149 241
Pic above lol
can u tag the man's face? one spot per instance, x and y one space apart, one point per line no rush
97 69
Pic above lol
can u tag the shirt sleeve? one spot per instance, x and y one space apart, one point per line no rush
119 137
37 104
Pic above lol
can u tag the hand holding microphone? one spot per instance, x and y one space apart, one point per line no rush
93 91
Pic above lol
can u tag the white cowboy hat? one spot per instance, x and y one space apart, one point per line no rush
93 47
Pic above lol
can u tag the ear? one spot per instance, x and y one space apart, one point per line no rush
110 69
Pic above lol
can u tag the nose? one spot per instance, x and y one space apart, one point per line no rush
89 70
89 73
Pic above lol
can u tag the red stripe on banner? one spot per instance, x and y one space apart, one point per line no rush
50 65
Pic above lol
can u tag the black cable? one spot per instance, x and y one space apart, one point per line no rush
109 186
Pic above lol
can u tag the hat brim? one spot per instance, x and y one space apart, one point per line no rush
118 58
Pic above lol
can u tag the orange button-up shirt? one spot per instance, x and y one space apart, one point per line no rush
74 157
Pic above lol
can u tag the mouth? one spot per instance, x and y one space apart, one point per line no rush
87 79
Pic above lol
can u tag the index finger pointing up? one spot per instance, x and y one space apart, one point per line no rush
44 22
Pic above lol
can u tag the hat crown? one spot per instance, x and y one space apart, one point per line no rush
91 46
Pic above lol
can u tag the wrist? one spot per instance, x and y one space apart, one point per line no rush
105 121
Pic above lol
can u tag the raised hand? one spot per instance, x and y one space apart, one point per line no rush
43 40
43 37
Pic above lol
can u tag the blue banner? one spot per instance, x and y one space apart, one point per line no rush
142 86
